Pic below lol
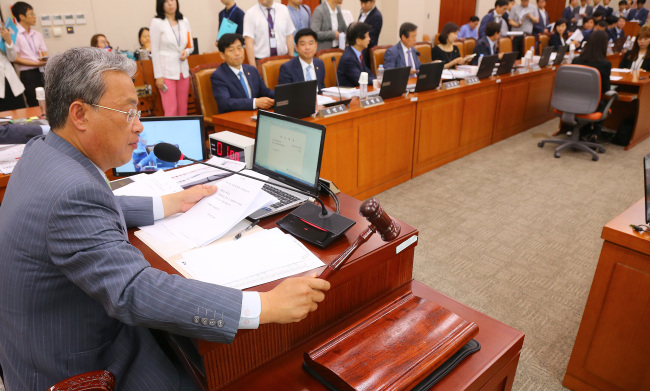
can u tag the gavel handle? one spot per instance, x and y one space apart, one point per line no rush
338 262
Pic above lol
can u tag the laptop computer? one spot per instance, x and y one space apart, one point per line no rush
486 67
297 100
289 152
559 56
394 82
545 57
506 63
184 132
428 78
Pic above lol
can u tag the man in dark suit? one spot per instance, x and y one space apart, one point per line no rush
487 45
604 8
304 66
617 32
351 63
569 14
20 134
640 13
76 296
496 15
403 54
540 26
235 85
370 14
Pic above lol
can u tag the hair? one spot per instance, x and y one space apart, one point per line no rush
611 19
406 28
559 22
602 23
357 30
160 10
596 48
622 2
449 27
78 75
500 3
20 8
640 1
492 28
95 38
142 30
303 33
365 1
228 39
597 14
474 18
586 19
643 33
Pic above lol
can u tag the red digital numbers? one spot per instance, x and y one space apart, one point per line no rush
229 153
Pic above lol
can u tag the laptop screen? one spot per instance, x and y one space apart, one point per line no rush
184 132
289 150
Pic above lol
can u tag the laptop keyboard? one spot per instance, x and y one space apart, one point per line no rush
283 197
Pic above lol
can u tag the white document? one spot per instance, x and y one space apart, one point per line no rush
9 156
323 100
198 173
576 36
253 260
346 92
157 184
448 74
614 78
621 70
341 40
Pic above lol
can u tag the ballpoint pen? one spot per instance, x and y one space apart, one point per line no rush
253 224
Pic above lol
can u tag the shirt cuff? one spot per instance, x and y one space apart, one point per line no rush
158 209
251 308
254 106
46 129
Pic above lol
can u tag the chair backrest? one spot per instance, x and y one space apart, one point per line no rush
269 69
377 56
543 42
505 45
425 51
468 45
461 48
436 39
576 90
529 42
90 381
202 87
426 38
330 70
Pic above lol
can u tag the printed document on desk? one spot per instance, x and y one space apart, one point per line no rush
9 156
198 173
157 184
346 92
266 256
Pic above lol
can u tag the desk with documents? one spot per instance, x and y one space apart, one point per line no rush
270 357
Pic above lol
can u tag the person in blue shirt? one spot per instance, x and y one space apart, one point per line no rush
469 30
300 15
232 13
640 13
351 63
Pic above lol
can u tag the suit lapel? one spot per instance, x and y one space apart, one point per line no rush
297 69
234 79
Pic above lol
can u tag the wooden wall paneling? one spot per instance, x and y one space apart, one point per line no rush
478 117
540 92
439 128
339 162
457 11
555 8
511 107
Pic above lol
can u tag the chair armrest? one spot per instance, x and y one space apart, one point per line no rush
611 97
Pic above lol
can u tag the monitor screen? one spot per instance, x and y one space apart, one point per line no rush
184 132
289 150
646 169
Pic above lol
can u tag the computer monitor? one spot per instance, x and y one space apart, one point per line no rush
545 57
506 63
297 100
184 132
486 66
646 176
289 150
429 76
559 56
394 82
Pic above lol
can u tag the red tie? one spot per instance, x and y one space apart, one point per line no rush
361 58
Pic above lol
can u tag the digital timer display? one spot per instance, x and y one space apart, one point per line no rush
227 151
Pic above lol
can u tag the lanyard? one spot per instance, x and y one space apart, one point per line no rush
231 11
266 16
178 37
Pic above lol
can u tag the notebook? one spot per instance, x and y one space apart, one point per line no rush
394 82
429 76
486 67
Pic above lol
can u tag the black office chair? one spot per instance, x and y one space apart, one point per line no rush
576 95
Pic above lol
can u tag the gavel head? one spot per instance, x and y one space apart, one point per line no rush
383 223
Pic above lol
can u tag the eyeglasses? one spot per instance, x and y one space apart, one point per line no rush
130 115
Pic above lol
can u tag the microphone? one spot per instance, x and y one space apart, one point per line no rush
380 222
416 52
337 78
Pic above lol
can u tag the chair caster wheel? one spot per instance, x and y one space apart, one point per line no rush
540 144
556 154
595 158
601 150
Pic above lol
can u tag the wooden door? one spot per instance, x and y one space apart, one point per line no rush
457 11
555 8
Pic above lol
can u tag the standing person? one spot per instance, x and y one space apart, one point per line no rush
268 31
31 51
496 15
583 11
569 14
540 27
352 62
144 39
328 23
300 15
469 30
371 15
403 54
304 66
171 44
11 89
235 17
623 9
638 57
640 13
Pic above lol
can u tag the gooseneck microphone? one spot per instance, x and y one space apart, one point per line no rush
170 153
337 78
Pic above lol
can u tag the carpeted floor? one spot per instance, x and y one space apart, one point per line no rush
515 233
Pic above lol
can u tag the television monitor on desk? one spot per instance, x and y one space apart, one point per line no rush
184 132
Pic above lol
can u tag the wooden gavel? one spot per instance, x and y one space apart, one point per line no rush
380 222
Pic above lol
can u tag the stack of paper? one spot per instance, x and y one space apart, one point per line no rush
199 173
9 155
256 259
346 92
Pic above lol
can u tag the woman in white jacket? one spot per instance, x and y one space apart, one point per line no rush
171 43
11 89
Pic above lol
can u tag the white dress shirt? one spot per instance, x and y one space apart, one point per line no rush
408 53
335 24
256 26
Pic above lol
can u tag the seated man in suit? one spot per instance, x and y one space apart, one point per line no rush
497 15
21 134
487 45
403 54
67 256
617 32
351 63
304 67
640 13
235 85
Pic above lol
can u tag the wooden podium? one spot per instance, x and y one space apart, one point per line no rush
271 356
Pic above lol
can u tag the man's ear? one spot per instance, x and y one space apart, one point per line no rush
78 115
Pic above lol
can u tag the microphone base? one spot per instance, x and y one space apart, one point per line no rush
307 223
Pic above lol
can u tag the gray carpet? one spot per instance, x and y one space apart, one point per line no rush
515 233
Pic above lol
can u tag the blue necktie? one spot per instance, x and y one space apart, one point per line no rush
243 83
308 73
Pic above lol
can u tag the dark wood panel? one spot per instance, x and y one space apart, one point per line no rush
439 130
478 116
457 11
339 162
555 8
538 103
510 112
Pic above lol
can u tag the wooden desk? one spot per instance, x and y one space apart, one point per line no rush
270 357
632 83
611 348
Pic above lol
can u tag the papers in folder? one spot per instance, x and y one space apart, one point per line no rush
9 155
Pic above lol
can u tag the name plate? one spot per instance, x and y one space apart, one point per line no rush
333 110
374 101
472 80
450 84
536 67
522 70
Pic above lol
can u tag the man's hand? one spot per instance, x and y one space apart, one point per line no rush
6 34
263 103
184 200
292 300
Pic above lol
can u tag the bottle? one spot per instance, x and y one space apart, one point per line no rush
380 73
363 85
572 50
528 58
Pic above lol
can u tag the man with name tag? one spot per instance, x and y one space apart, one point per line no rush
235 85
403 54
352 61
231 19
304 67
487 45
500 7
268 31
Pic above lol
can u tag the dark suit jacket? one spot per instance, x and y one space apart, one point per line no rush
604 67
541 25
640 15
76 296
394 57
568 14
18 134
235 15
375 20
626 62
229 93
556 41
291 72
489 18
482 48
606 11
350 68
614 35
